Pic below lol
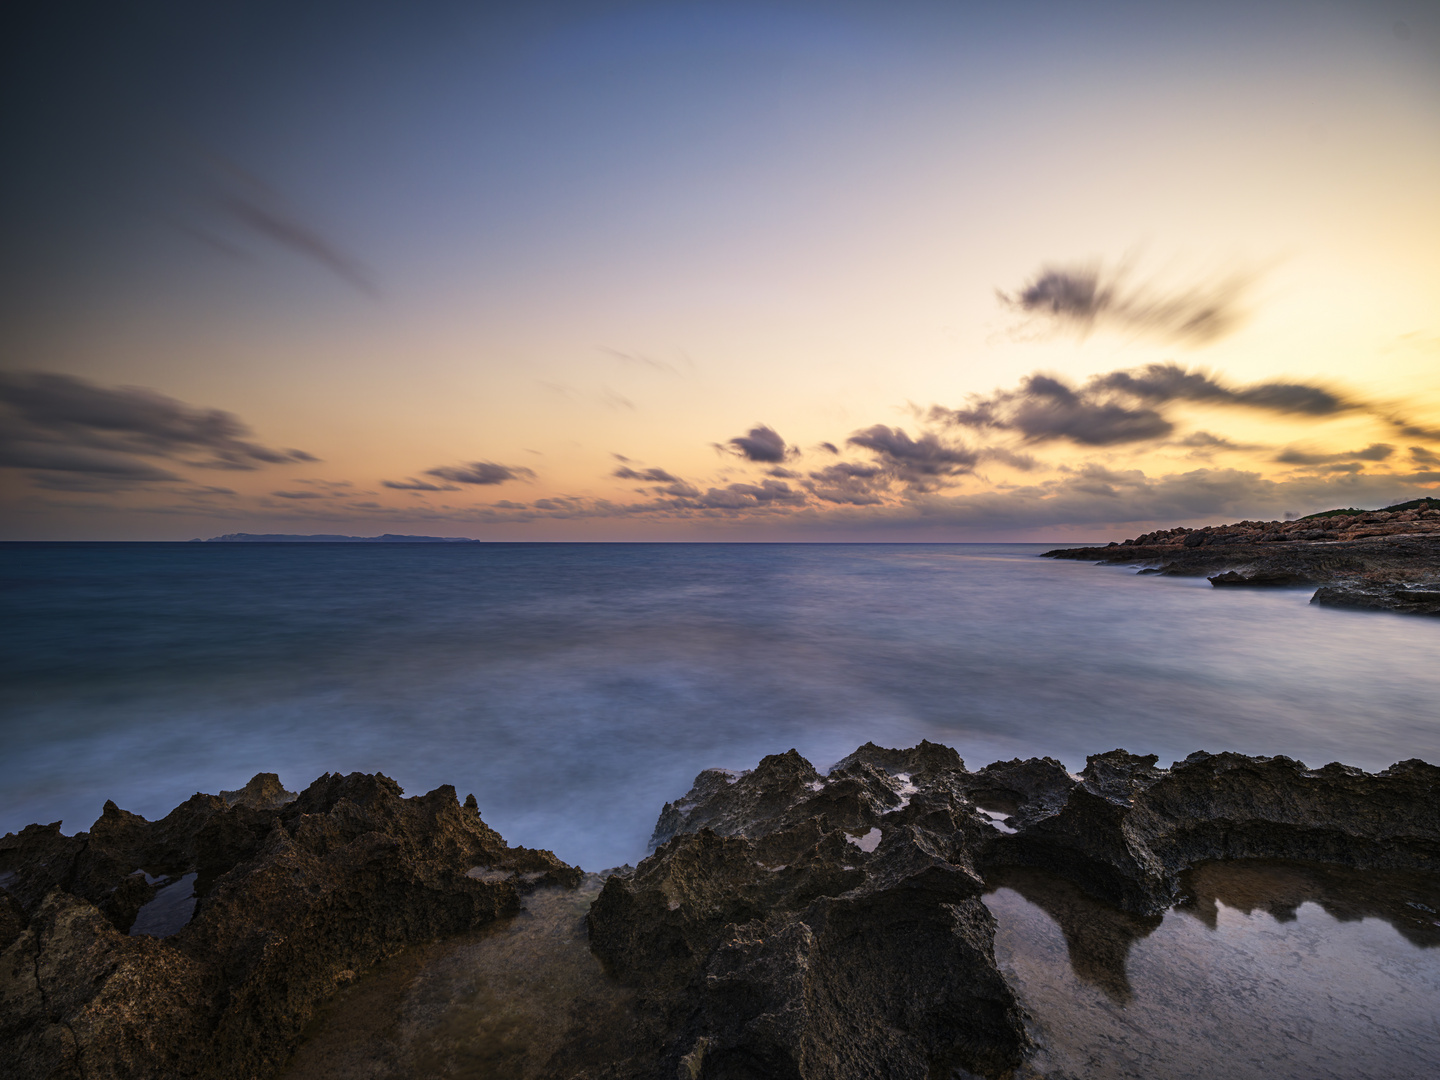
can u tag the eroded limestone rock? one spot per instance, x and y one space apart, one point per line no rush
290 900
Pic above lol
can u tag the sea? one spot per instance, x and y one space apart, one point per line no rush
575 688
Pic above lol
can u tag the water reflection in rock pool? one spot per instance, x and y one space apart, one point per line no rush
1269 970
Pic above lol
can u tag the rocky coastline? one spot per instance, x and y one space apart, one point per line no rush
1377 560
787 923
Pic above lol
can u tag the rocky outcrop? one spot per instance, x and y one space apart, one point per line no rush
1126 829
794 924
200 944
1385 560
789 923
797 925
1407 599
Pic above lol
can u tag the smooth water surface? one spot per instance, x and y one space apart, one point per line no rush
1271 971
576 687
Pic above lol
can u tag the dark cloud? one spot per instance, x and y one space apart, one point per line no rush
649 476
1421 456
925 456
297 494
1081 298
60 424
768 495
850 483
480 472
761 443
783 473
1046 408
1125 406
417 485
921 464
830 448
1413 431
1023 462
1162 383
749 496
1373 452
1203 440
670 484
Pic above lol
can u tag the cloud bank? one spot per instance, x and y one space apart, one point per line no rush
1128 406
73 434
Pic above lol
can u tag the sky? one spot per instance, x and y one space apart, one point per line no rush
900 271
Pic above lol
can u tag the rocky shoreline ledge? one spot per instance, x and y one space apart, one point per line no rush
788 923
1379 560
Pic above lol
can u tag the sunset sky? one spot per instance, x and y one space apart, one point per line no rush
715 271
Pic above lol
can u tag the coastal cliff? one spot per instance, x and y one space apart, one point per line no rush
1384 560
788 922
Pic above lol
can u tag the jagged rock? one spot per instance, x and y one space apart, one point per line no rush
1126 829
794 925
289 899
788 924
791 924
263 792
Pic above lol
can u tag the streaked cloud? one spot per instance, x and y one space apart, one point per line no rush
254 204
63 427
481 473
1126 406
1373 452
1080 298
417 485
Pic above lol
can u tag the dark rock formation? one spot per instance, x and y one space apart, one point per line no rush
1379 560
816 926
1126 829
265 906
1404 598
788 924
791 924
263 792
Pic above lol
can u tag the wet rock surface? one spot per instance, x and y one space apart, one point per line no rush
199 945
799 925
788 923
1372 560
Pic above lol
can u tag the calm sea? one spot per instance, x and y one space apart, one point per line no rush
576 687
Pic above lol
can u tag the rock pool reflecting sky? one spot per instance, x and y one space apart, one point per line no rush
1271 970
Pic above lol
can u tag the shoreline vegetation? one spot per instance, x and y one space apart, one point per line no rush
787 922
1377 560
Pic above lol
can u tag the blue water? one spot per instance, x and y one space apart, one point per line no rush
575 687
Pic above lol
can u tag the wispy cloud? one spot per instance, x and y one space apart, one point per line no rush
254 204
1080 298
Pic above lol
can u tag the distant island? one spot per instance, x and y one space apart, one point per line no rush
1386 560
330 538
